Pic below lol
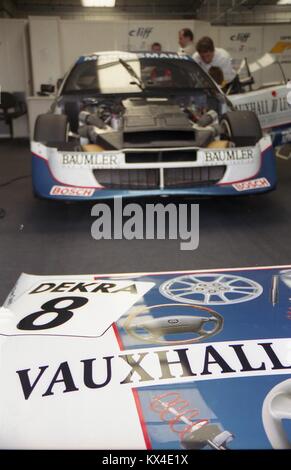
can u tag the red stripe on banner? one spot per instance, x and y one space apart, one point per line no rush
118 337
141 418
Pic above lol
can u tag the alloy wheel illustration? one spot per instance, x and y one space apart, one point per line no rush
211 289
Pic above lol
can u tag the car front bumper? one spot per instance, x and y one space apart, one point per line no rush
74 175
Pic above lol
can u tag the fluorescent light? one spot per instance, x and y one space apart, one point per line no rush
284 2
98 3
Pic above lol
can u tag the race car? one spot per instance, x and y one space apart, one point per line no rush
169 360
140 124
269 101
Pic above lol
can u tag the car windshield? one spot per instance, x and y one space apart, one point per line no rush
134 75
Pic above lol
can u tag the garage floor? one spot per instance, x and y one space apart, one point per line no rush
42 237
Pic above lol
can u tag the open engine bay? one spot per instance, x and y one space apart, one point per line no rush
134 123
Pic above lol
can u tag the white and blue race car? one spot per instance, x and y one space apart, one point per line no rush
269 101
139 124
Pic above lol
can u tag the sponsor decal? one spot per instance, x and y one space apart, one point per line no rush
141 32
132 56
100 287
242 37
93 160
157 366
87 58
82 355
110 56
252 184
265 107
162 55
71 191
229 155
73 307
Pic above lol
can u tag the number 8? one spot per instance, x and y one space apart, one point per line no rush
64 314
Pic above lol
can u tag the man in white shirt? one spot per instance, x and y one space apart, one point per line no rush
208 55
186 43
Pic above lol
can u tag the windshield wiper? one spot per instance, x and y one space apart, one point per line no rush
133 74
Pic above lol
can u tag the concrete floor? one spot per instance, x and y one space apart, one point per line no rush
43 237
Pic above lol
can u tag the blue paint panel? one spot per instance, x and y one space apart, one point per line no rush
231 404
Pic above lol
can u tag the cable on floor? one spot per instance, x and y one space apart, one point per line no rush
13 180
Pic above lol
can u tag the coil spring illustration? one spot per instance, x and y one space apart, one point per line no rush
178 409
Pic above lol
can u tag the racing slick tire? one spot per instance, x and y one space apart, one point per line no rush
242 128
51 128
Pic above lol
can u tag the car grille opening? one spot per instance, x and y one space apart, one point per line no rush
148 138
162 156
150 178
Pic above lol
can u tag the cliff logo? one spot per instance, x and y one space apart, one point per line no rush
242 37
141 32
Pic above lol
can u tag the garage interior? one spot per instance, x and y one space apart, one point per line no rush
71 352
50 237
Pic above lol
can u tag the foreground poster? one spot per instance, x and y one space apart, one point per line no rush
180 360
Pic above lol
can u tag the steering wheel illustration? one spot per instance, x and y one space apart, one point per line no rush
276 407
154 329
211 289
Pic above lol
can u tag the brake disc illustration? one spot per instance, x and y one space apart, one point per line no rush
276 407
211 289
153 330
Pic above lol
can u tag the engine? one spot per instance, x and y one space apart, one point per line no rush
146 123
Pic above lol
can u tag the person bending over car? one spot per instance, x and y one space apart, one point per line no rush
208 56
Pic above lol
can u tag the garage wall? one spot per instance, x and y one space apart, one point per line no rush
45 50
243 42
142 33
14 70
79 37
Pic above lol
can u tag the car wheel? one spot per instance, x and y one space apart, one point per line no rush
241 127
51 128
